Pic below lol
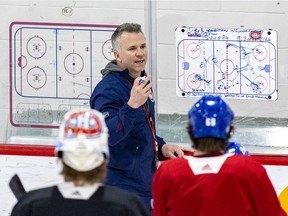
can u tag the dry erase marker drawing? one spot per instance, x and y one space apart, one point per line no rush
53 68
233 63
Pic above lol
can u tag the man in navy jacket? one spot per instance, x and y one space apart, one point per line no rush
125 97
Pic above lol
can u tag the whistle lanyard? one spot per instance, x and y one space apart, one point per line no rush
152 128
149 118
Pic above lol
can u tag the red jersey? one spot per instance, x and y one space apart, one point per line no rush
221 185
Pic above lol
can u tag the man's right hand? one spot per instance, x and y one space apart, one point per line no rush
140 92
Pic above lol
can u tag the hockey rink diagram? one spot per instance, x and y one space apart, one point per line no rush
54 67
234 63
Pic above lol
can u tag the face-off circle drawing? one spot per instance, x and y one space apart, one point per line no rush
73 63
107 50
260 52
193 50
194 81
36 47
36 77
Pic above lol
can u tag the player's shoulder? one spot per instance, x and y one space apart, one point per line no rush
174 165
242 158
116 193
35 196
243 161
174 161
41 193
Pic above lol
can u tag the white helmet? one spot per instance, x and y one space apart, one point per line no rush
83 139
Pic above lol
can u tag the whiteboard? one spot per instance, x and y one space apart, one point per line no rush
233 63
54 68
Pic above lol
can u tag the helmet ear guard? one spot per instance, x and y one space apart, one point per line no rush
58 149
210 116
59 154
83 139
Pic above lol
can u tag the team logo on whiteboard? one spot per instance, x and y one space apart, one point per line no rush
255 35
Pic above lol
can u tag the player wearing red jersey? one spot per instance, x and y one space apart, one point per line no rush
212 182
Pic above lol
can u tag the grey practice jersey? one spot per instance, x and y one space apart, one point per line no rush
106 201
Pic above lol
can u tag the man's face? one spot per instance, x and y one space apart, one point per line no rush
133 53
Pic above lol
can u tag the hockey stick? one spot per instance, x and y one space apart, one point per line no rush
17 187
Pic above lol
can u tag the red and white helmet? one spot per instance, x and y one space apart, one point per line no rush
83 139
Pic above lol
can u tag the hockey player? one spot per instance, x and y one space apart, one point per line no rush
83 150
212 182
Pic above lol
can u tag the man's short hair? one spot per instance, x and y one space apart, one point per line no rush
125 27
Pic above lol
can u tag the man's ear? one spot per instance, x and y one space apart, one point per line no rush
117 56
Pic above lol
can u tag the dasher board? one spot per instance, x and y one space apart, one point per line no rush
233 63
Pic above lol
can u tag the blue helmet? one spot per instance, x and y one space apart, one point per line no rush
210 116
236 148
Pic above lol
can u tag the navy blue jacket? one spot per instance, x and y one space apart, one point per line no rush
131 142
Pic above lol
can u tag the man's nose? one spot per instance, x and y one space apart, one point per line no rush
139 52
